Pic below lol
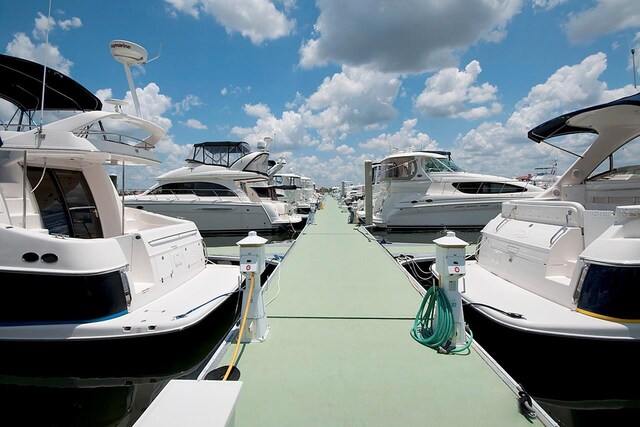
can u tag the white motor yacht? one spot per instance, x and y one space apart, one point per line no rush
557 277
296 190
216 191
427 190
76 266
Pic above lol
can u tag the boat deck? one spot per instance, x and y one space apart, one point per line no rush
339 352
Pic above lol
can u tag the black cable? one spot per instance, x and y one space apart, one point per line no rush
506 313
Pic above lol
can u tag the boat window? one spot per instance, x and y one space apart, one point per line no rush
399 168
611 291
266 192
260 164
200 189
434 164
65 201
479 187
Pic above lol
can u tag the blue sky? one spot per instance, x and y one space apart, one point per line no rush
338 82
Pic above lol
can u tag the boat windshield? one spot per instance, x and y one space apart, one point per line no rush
259 165
435 164
621 164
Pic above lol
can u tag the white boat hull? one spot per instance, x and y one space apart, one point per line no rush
213 217
457 214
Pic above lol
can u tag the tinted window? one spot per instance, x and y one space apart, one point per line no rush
487 187
65 201
611 291
201 189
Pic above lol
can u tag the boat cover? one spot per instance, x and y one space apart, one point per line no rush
21 84
559 126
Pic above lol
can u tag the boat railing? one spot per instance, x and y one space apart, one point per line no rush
115 137
198 194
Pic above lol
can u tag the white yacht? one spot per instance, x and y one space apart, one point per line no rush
76 266
427 190
297 190
216 191
557 277
309 199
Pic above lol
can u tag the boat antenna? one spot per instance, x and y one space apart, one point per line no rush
128 54
44 72
633 59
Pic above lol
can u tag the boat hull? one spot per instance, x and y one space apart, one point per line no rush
560 367
158 355
217 217
468 214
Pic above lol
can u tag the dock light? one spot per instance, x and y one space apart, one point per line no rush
450 266
252 263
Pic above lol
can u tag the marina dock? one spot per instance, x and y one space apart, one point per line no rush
339 351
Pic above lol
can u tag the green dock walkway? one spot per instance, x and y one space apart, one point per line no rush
339 353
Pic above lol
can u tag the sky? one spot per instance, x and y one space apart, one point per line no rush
339 82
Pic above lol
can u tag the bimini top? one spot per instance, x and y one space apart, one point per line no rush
219 153
21 84
560 127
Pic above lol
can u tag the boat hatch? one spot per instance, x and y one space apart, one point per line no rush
609 292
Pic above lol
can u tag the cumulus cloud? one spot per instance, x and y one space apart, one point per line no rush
257 110
352 100
405 139
404 37
547 4
153 104
496 147
22 47
186 104
37 50
195 124
347 102
289 131
345 149
69 24
234 90
258 20
606 17
454 93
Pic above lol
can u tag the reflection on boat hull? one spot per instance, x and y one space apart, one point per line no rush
156 355
424 216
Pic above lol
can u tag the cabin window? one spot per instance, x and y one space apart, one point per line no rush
65 201
400 168
487 187
611 291
200 189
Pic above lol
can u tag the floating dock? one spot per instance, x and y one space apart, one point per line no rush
339 351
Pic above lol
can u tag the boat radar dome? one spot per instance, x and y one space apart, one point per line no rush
128 53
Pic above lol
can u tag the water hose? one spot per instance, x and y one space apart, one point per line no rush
241 332
436 305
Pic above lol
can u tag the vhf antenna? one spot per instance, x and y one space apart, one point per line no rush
633 59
